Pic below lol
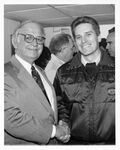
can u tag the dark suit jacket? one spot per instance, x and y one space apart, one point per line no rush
28 115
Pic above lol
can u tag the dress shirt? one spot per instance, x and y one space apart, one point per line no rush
84 61
52 67
48 89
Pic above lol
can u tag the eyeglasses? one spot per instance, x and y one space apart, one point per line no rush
30 38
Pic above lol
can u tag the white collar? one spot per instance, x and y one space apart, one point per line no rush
57 59
84 61
25 64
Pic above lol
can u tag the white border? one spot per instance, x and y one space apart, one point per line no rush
117 19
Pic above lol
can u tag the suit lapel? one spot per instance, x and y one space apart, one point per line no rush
24 76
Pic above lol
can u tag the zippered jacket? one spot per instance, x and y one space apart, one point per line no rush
86 100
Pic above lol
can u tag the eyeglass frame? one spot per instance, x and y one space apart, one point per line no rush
25 38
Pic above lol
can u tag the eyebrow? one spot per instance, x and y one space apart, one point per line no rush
85 32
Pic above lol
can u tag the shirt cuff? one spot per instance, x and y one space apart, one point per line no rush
53 131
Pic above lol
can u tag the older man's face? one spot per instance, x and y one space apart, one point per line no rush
29 48
111 44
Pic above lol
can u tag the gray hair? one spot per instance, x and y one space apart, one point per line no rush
26 22
58 41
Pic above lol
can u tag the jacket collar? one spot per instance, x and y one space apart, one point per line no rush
76 61
105 60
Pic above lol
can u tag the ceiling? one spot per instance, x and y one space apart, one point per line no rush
60 15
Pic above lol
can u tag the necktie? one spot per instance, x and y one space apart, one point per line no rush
91 70
90 67
37 78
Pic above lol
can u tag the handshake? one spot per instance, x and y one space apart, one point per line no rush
62 132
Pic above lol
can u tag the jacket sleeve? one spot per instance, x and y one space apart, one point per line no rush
62 100
21 124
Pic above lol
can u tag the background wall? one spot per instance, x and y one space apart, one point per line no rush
10 26
104 30
51 31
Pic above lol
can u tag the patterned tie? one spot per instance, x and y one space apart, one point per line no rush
37 78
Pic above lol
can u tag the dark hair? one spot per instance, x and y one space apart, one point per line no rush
44 58
85 19
58 41
103 43
111 30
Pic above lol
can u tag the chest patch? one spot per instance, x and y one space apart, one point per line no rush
111 91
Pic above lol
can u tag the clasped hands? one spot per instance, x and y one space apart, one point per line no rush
63 132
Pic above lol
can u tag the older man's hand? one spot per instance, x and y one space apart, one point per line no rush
63 132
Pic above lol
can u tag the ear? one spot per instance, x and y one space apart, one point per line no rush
14 40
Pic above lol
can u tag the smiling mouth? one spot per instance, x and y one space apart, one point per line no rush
86 46
32 49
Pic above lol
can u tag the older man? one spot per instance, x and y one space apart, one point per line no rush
30 101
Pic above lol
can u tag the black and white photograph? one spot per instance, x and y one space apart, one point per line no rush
60 75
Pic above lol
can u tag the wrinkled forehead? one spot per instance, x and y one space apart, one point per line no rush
32 28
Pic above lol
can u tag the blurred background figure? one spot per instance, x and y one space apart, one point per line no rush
103 44
62 50
111 43
44 58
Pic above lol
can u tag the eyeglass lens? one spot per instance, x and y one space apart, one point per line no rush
30 38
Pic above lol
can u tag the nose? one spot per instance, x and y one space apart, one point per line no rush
34 43
83 39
